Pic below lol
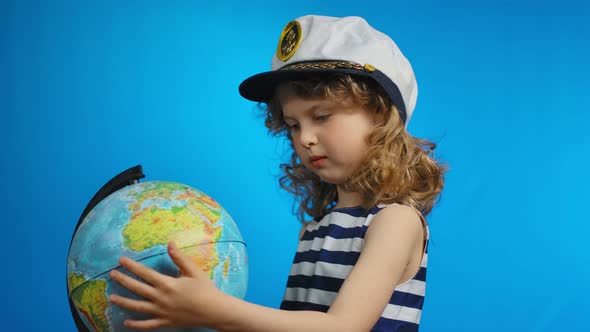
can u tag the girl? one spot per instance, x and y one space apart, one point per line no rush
343 94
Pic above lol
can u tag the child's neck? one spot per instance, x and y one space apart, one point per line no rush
348 198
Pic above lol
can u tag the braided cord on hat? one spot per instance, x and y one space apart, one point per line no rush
329 65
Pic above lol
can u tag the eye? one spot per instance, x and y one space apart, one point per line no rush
292 126
321 117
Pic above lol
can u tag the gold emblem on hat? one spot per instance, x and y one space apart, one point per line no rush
369 67
289 41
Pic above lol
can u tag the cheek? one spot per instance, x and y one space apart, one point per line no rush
351 139
299 151
350 145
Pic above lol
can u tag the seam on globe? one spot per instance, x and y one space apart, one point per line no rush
148 257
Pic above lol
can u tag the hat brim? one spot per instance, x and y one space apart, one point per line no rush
261 87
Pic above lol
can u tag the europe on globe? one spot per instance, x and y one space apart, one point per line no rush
138 221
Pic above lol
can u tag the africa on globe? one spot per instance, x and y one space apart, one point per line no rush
138 221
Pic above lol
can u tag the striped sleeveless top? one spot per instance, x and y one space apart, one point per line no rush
326 254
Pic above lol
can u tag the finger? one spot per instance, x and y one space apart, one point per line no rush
138 287
134 305
187 266
147 324
151 276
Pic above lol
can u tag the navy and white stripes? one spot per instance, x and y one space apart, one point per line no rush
327 252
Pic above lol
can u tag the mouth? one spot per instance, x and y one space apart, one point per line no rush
317 161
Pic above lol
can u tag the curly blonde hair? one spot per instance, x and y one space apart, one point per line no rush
398 168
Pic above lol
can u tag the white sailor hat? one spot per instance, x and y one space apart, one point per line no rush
319 45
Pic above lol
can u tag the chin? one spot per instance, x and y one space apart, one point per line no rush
328 176
332 179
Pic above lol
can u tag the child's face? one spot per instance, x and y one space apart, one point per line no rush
329 137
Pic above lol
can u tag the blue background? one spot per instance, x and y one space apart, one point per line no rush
90 88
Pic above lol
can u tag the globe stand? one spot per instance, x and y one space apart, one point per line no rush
123 179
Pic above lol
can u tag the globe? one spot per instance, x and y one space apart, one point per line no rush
138 221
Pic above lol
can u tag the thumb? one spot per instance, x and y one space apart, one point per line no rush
186 265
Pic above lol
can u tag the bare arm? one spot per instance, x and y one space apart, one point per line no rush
394 236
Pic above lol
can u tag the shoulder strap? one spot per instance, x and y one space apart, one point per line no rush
123 179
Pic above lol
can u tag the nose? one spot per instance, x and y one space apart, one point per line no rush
307 137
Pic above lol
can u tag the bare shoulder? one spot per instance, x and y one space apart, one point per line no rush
397 219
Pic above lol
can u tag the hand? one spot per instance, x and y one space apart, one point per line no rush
187 301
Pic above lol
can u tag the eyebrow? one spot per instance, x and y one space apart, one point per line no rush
309 110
